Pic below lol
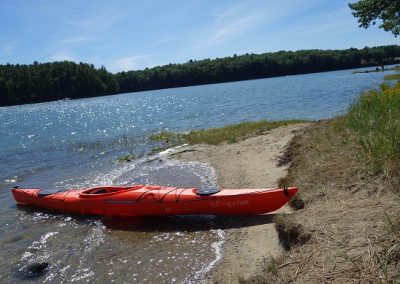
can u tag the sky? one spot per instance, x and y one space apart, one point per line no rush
127 35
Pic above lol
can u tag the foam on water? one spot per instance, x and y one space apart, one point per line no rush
218 252
172 150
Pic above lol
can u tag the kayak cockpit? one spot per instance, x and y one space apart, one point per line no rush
107 190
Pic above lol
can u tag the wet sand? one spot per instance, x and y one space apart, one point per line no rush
251 163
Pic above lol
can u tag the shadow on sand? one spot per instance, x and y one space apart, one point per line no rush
189 223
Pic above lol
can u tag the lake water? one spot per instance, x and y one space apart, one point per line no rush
76 143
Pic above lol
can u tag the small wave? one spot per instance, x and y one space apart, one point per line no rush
172 150
94 239
82 274
218 252
43 240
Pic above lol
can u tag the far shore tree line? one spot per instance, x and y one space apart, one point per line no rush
40 82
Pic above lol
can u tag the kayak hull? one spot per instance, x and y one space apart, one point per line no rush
150 200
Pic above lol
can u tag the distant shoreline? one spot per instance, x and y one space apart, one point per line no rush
43 82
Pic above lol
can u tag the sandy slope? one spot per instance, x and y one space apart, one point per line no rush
251 163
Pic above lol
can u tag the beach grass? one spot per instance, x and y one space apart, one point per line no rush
215 136
392 77
375 119
350 213
167 138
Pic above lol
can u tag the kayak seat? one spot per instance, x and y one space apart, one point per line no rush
208 191
101 190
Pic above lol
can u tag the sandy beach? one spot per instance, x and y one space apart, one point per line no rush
251 163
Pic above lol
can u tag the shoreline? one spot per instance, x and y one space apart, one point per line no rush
250 163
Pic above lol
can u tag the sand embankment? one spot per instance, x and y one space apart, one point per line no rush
251 163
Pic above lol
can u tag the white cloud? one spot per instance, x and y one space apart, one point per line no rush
243 18
7 49
76 40
101 18
163 41
63 55
230 23
312 33
128 63
232 11
234 28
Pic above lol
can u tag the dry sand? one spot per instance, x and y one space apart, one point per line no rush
251 163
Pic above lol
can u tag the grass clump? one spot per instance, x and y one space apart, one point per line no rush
375 118
126 158
290 233
167 137
215 136
234 133
392 77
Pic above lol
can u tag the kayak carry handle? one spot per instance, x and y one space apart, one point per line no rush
285 191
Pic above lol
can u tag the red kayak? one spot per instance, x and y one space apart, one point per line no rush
150 200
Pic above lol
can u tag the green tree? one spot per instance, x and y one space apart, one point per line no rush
368 11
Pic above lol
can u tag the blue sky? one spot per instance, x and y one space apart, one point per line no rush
135 34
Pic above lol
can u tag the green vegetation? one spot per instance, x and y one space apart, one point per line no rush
254 66
40 82
233 133
126 158
214 136
378 70
392 77
168 137
37 82
368 11
375 118
117 143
